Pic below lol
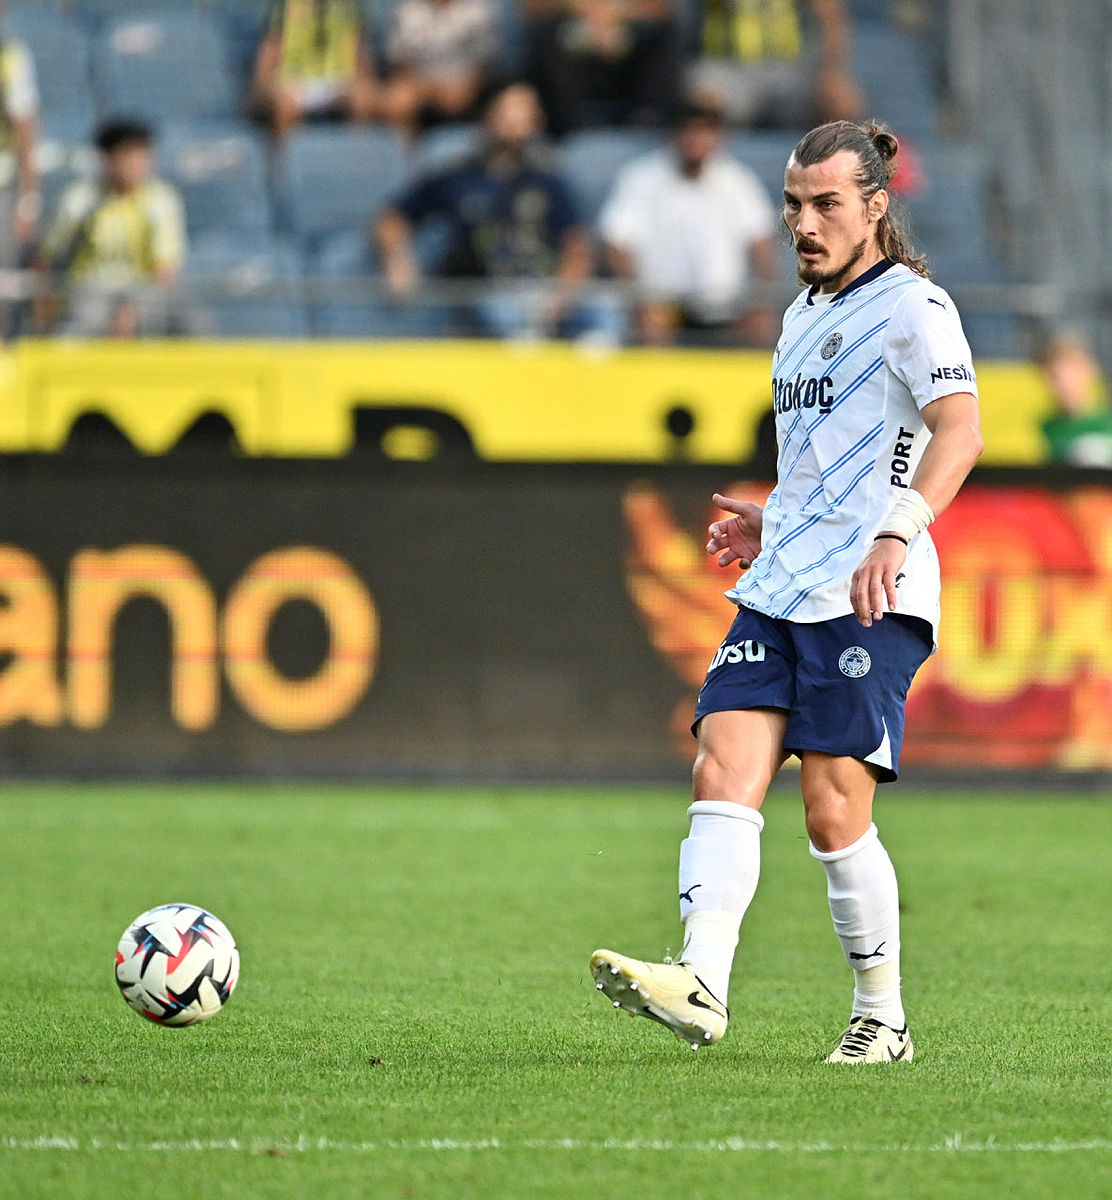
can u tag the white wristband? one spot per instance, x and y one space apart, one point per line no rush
910 515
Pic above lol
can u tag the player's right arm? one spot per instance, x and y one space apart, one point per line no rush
738 538
956 443
955 446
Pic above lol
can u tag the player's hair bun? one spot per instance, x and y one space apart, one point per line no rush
886 144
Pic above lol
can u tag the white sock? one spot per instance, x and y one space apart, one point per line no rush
865 904
720 862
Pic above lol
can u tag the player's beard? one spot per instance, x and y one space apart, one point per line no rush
812 274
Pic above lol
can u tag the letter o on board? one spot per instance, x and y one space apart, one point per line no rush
326 581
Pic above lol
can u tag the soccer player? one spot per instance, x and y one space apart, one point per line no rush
877 427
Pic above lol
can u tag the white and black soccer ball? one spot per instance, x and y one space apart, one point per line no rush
177 964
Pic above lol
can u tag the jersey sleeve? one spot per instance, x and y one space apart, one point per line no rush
622 221
167 228
426 198
926 348
76 202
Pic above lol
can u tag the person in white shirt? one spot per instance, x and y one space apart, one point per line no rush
692 228
877 427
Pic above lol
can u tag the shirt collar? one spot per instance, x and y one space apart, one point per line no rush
868 276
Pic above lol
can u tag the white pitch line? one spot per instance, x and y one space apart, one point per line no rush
954 1144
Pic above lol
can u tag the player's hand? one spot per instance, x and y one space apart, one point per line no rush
872 591
738 538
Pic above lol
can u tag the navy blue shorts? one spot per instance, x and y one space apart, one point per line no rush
843 686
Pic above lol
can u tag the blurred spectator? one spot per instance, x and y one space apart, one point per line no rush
604 62
690 226
775 62
439 52
314 64
119 243
1079 430
19 195
510 219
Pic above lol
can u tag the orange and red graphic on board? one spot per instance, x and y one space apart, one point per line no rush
1023 676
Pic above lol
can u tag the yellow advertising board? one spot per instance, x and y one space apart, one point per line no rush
516 403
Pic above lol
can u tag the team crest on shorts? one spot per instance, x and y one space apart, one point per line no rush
855 662
831 346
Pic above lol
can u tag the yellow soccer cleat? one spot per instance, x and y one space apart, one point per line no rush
868 1040
670 993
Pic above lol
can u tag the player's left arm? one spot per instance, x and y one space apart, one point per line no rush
955 445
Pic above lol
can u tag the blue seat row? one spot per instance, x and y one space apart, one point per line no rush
146 64
190 58
307 210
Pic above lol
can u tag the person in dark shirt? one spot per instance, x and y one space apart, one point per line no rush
604 62
510 219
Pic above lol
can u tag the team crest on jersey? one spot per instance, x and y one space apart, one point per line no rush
855 662
831 346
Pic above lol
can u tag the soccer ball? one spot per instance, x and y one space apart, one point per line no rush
177 964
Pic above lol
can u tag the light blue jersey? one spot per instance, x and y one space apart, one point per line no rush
851 373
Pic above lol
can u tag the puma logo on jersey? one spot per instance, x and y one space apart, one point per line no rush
940 303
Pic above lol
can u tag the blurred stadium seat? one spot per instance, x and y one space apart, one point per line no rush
161 66
894 70
242 22
876 11
950 224
336 178
349 257
444 146
591 159
61 53
221 171
949 213
64 154
765 152
95 13
258 281
511 35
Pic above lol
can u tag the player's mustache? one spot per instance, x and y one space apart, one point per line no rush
802 244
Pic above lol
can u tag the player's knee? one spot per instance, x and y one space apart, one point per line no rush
721 778
833 823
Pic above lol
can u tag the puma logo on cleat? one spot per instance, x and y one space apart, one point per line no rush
863 957
687 895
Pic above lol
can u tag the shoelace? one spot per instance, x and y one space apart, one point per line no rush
858 1038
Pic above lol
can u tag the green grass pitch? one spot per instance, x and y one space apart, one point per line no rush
415 1017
